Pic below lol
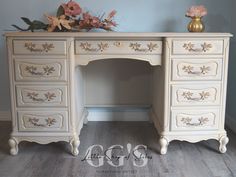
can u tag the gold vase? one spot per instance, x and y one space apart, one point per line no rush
196 25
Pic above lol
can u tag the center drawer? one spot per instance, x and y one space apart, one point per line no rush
118 47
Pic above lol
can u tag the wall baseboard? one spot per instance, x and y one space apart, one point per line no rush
5 116
230 122
118 114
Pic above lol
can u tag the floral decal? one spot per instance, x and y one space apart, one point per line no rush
36 122
47 97
71 17
201 121
33 70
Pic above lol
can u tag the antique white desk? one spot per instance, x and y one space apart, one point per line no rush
189 83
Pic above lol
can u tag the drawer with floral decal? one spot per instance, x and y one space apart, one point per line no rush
41 96
196 94
194 119
198 47
42 121
39 47
118 47
197 69
40 70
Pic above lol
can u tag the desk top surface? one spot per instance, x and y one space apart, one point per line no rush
113 34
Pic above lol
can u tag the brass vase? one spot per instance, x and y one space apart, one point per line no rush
196 25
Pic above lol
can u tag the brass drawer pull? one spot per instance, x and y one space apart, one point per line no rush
48 122
47 70
201 121
88 47
190 70
203 96
138 47
33 47
47 96
204 47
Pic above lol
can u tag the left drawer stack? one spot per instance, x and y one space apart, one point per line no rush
41 85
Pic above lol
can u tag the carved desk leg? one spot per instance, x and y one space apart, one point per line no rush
164 145
74 143
13 145
223 142
85 122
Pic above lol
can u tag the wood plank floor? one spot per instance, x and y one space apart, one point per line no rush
54 160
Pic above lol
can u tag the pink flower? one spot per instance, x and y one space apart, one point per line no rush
89 21
72 8
86 16
196 11
111 15
108 23
95 21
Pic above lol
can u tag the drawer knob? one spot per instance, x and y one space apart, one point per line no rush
188 121
138 47
43 48
191 47
202 70
117 44
202 96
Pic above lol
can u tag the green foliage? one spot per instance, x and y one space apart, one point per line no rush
26 20
33 25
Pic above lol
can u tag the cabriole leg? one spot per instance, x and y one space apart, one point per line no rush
86 117
85 121
13 145
74 146
223 142
164 145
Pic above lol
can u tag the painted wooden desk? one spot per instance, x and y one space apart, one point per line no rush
189 89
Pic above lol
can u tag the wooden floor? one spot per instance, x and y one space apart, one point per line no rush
54 160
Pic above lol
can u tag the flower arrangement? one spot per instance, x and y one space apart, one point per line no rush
71 17
196 11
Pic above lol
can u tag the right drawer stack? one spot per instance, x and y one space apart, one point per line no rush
196 83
